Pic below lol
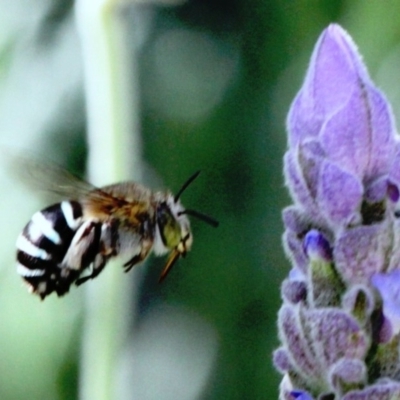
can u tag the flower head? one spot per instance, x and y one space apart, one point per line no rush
339 323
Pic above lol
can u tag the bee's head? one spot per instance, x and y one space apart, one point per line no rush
173 225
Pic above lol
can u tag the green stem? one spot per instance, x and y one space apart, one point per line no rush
114 154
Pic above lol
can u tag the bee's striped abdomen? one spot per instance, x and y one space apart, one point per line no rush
42 245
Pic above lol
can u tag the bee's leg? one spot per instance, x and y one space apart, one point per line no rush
107 247
133 261
81 253
137 258
65 280
83 248
79 281
98 265
109 240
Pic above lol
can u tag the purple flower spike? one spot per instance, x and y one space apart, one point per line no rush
339 324
341 134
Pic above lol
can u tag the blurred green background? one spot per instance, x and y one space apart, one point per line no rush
216 80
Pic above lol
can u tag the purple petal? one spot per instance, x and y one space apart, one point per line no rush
378 190
295 274
282 360
347 371
336 335
339 194
383 391
311 157
300 395
294 340
296 182
317 246
393 192
295 251
294 291
295 220
388 286
305 118
382 135
385 333
360 136
360 252
335 69
344 137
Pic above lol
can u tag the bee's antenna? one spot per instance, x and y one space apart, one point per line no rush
185 185
209 220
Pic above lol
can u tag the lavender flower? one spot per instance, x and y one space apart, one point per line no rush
339 324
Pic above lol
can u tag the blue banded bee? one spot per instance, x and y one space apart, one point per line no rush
126 219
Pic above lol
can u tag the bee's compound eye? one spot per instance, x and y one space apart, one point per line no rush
169 227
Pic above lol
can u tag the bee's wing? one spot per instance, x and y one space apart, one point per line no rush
61 184
50 177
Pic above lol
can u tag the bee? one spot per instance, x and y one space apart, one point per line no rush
82 234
